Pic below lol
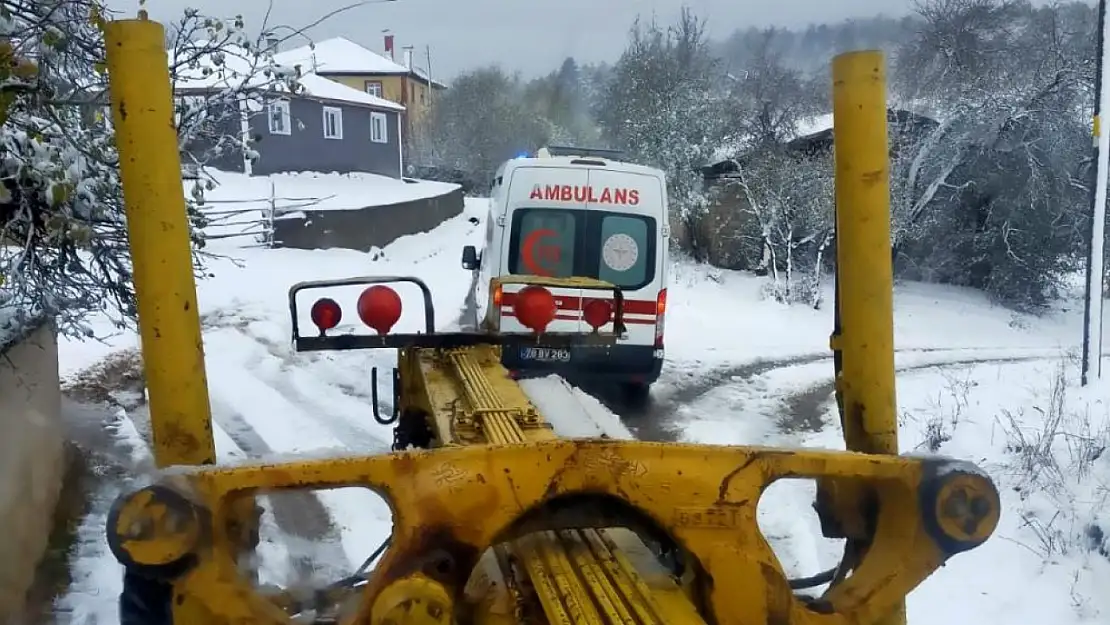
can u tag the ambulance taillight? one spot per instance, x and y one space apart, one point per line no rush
660 317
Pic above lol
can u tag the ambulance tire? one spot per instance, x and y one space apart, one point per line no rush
636 394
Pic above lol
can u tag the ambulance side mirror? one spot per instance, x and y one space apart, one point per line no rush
470 258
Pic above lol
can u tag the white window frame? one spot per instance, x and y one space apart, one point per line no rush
286 122
337 114
374 88
379 121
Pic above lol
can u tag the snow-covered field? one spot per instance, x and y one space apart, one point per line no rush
977 382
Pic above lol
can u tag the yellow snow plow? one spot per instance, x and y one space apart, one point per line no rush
496 519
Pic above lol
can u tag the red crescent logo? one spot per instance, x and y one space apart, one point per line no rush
548 252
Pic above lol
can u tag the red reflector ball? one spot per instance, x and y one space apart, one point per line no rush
597 313
379 307
535 308
326 314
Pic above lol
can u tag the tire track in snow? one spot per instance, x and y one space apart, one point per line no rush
295 382
804 410
658 421
309 531
298 385
311 537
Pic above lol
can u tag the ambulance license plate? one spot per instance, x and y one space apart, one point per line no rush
545 354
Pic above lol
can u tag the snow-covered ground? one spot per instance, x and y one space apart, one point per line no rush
740 369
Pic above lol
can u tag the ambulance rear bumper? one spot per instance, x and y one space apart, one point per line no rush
636 364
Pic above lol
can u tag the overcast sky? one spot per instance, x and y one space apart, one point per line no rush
532 36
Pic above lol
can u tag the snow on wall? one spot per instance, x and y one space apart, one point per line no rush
31 460
318 191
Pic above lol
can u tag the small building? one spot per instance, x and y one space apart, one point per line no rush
321 125
350 64
728 217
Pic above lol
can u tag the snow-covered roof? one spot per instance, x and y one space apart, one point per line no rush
814 125
234 67
340 55
327 89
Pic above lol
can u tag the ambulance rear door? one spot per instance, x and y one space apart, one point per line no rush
545 238
631 211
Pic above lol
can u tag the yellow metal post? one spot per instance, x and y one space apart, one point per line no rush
158 231
865 278
865 271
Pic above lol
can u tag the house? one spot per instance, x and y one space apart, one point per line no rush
726 228
352 65
320 125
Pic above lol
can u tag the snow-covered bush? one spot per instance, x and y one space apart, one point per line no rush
1058 468
63 240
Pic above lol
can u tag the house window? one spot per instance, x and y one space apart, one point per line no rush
333 123
279 117
374 88
379 132
422 92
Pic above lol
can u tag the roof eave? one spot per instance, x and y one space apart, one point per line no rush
396 108
365 105
407 73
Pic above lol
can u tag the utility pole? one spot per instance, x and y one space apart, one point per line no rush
428 62
1092 306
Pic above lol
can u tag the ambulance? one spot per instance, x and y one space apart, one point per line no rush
571 212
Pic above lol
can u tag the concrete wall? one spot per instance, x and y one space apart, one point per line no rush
364 228
31 459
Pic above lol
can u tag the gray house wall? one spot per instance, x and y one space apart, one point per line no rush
306 148
226 124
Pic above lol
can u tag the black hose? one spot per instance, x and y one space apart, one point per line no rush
823 577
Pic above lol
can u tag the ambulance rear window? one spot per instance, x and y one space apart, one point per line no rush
624 243
544 243
560 243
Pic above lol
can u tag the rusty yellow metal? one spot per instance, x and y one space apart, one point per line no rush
413 600
158 233
453 504
865 280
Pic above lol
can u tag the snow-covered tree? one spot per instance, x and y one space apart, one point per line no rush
768 99
480 122
664 108
786 195
991 197
64 249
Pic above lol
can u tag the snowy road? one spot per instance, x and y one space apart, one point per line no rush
776 381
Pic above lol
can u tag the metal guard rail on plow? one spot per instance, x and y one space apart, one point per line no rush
429 339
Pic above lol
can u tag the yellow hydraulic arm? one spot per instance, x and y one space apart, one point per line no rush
496 520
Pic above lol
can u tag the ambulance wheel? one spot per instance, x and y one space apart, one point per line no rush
636 394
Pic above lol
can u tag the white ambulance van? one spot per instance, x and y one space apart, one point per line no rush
569 212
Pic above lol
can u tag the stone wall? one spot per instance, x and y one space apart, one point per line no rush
364 228
31 458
